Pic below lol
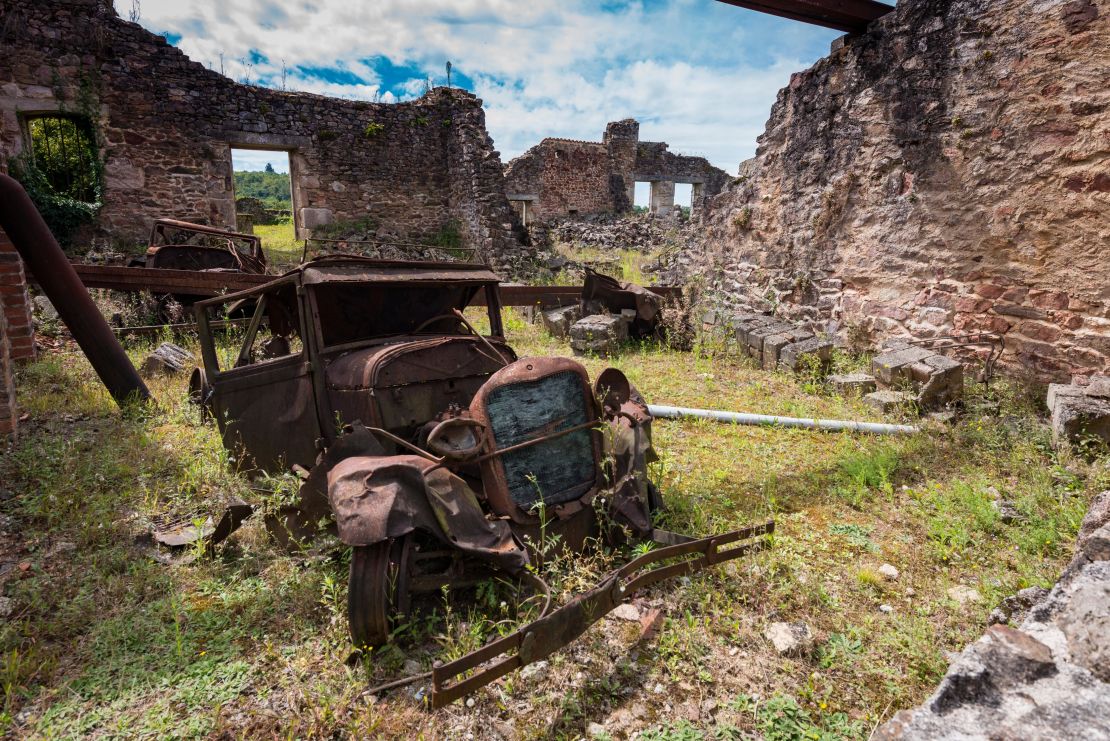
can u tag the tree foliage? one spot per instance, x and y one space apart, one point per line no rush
272 188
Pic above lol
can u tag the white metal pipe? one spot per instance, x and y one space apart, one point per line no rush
740 418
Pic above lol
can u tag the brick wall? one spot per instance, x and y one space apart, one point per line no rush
15 302
8 416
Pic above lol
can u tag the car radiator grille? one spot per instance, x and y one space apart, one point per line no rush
554 471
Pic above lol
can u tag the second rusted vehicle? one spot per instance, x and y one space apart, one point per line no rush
425 444
181 245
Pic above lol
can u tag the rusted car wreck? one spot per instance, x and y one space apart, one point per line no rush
435 452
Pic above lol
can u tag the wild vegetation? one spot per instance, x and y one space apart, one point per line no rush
272 188
109 636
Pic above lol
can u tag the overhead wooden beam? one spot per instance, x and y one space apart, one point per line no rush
843 15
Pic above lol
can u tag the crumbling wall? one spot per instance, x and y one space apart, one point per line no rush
165 126
566 177
945 172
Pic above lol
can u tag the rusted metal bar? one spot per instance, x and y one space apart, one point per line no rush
201 283
53 272
852 16
553 631
993 341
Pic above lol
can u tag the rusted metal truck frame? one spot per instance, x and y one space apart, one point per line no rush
434 452
181 245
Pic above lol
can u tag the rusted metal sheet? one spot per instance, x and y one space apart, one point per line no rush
553 631
53 272
181 245
843 15
603 292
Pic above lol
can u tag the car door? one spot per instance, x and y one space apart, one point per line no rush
264 401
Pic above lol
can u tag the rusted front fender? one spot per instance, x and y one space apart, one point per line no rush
376 498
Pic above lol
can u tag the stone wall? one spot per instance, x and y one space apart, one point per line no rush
166 124
945 172
566 177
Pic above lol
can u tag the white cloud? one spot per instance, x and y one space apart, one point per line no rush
700 75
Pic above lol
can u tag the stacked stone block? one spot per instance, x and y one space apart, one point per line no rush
1080 409
890 196
601 334
774 343
935 380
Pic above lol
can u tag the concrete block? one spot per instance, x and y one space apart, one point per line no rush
891 367
599 334
558 321
1057 391
886 402
853 384
772 346
796 356
1077 417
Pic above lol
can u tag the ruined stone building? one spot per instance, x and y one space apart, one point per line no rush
566 177
947 171
164 126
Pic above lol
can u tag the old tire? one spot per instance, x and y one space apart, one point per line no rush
200 394
378 591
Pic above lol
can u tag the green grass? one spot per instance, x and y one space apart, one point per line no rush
283 250
104 640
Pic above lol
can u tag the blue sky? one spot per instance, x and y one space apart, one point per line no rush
698 74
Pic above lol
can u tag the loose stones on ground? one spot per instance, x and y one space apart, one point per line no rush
790 639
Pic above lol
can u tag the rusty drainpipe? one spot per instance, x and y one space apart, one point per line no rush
45 259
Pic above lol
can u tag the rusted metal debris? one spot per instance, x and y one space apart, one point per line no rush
181 245
993 341
434 452
601 293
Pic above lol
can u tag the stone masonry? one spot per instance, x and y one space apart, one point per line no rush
946 171
932 380
165 126
1080 409
565 177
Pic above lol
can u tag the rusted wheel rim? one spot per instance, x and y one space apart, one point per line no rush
377 590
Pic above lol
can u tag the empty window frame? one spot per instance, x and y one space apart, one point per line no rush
63 149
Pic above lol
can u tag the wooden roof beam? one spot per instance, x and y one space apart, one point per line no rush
851 16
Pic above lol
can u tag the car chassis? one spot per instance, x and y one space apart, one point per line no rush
435 453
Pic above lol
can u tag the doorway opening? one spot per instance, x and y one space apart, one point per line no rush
264 202
684 197
641 202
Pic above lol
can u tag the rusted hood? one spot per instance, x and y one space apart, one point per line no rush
365 368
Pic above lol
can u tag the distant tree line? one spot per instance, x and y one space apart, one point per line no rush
272 188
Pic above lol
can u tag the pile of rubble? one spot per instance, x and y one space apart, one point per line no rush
1080 409
1048 678
641 232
